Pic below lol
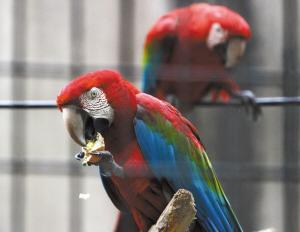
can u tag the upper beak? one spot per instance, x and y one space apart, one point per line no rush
81 126
74 122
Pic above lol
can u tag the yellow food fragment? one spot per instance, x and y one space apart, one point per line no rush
86 159
91 148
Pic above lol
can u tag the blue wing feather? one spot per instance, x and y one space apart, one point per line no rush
151 62
168 161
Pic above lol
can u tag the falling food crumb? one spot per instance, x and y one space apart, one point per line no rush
267 230
84 196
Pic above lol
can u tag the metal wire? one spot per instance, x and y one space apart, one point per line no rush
227 171
261 101
27 104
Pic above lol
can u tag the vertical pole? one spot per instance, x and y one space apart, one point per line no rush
291 115
76 60
18 138
233 147
243 147
126 35
126 59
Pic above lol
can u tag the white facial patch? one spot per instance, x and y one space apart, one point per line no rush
235 50
95 103
217 35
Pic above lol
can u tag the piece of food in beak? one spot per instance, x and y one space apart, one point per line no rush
91 149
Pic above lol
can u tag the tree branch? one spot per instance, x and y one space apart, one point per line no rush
178 215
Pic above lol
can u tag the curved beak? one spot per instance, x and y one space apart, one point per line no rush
81 126
235 50
74 121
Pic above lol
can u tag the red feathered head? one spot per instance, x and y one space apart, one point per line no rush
196 20
94 101
107 80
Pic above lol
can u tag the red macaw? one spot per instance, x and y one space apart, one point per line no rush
187 51
151 150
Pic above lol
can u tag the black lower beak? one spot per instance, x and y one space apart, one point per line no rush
221 50
89 129
94 125
101 125
81 126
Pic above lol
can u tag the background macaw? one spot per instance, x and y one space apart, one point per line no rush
187 51
151 150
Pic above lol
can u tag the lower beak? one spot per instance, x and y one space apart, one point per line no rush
74 122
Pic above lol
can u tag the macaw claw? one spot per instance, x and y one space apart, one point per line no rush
103 159
248 100
79 156
88 159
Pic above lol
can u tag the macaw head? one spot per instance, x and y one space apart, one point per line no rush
223 30
226 32
90 103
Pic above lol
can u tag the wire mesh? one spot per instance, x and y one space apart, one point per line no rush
253 168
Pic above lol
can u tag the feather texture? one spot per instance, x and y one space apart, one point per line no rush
151 136
174 153
177 60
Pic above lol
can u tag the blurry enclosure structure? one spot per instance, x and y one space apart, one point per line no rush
45 43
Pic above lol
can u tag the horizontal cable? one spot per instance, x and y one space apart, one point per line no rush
261 101
226 171
59 70
27 104
50 104
254 76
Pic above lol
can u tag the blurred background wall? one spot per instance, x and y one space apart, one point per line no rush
44 43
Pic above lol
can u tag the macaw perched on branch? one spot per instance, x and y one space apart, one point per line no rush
186 54
151 150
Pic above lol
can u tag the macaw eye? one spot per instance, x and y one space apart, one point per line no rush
216 36
217 27
94 93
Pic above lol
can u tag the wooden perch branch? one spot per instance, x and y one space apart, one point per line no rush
178 215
